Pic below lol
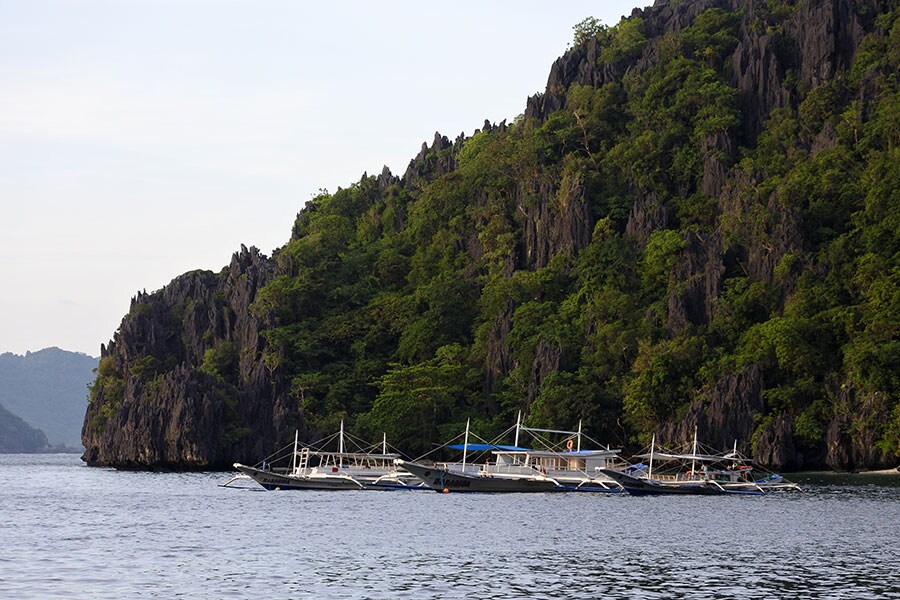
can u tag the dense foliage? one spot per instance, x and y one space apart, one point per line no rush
412 308
697 224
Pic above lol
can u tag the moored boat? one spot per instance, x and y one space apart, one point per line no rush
696 471
312 468
520 469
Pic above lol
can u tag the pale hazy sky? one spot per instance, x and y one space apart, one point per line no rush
140 139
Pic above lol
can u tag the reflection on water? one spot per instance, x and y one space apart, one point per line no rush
70 531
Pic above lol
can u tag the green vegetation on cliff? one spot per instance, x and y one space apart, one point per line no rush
390 300
672 227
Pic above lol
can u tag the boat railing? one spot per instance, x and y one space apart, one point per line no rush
467 468
508 469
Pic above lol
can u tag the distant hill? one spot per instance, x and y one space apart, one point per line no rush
18 436
48 390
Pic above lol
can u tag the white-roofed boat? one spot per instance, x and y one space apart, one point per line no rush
696 470
313 468
520 469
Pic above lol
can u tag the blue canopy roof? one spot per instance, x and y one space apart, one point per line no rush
482 447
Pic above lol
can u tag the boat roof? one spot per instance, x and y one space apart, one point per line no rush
500 449
483 447
700 457
357 455
562 454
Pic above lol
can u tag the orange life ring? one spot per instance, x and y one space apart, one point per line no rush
569 445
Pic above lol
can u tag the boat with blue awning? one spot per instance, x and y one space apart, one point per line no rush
514 468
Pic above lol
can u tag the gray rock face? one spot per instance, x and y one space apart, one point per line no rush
554 220
775 445
648 214
726 415
850 437
820 39
173 415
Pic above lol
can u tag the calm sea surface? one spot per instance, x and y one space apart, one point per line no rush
70 531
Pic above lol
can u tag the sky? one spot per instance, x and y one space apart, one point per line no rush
141 139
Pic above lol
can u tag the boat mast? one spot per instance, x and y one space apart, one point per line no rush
518 425
294 457
384 443
578 448
694 452
341 445
652 446
465 446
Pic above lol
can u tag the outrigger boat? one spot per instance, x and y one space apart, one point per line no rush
518 469
696 472
315 469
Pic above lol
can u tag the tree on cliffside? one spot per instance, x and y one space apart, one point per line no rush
706 194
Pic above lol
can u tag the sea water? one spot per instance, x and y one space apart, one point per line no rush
71 531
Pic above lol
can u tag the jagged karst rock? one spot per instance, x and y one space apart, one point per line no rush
431 162
850 437
547 359
775 445
171 415
718 154
499 361
727 414
648 214
555 220
700 269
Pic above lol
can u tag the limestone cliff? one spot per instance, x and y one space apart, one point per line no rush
155 405
559 264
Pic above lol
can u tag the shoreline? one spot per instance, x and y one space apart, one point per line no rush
892 471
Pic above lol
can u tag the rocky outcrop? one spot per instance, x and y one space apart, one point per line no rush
718 152
819 40
850 438
775 446
648 214
555 218
727 414
431 162
499 362
699 270
547 358
172 413
189 381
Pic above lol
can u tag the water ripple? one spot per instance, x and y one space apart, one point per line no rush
73 532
